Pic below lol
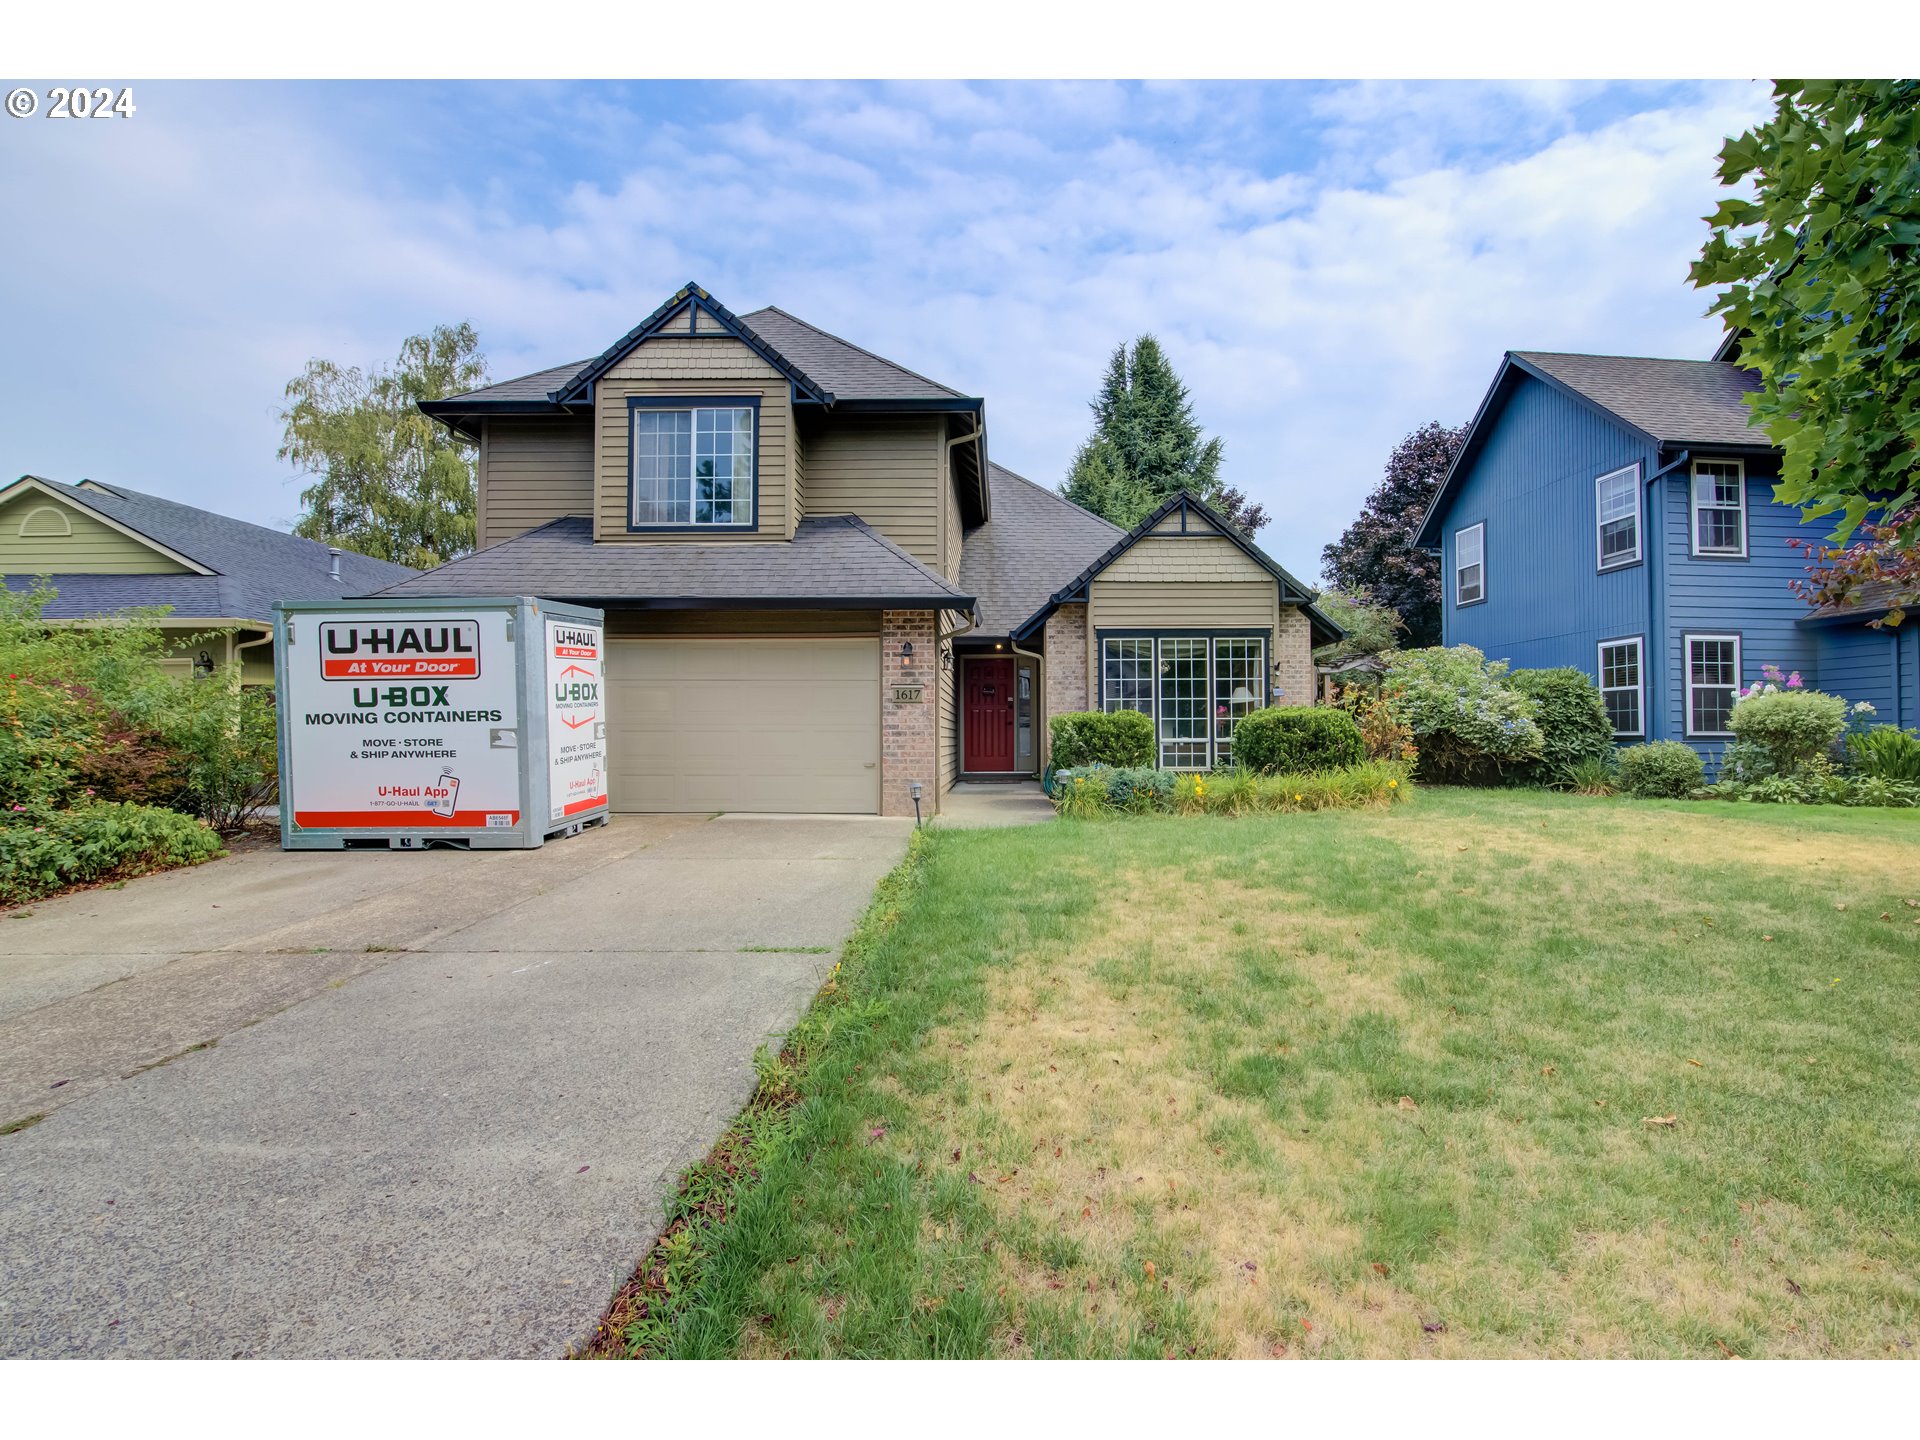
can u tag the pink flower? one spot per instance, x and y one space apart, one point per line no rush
1794 682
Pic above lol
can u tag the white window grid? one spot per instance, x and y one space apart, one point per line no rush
1470 564
1623 686
1720 507
1617 517
693 467
1713 682
1187 685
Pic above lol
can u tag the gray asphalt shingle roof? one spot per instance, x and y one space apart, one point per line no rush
839 365
1680 402
835 365
832 558
253 566
1035 543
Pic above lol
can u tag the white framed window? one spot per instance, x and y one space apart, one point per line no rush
1239 678
692 466
1195 688
1470 565
1622 689
1616 509
1713 682
1126 674
1720 507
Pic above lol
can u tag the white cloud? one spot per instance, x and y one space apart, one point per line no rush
1001 238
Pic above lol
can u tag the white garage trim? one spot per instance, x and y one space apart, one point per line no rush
722 723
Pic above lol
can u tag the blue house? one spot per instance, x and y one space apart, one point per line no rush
1616 514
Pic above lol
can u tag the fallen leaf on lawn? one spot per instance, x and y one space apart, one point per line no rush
1405 1102
1379 1269
1667 1121
1307 1325
1087 1213
1886 914
877 1132
1766 937
939 1232
956 1156
1248 1265
1056 1152
1696 1062
1279 1351
1725 1351
1150 1271
975 1179
583 1170
1912 904
1841 906
1793 1289
1433 1327
1548 1070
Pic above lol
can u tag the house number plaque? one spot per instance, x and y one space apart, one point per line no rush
908 694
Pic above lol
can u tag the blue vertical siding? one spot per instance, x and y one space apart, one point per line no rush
1879 666
1533 485
1748 597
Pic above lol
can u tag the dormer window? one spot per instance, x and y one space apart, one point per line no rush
693 463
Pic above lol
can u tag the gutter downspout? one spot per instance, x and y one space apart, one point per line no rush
266 639
1657 603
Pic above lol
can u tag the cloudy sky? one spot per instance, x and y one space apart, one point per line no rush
1329 266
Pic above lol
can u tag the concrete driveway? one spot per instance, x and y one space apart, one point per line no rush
371 1104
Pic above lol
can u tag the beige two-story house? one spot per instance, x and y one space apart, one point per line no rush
822 596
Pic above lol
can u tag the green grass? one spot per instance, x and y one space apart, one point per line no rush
1356 1083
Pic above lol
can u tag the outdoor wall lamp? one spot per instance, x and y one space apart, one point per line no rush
204 665
906 652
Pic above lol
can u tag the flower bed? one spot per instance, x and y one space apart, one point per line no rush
1097 790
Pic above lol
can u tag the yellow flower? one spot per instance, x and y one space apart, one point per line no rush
1393 784
1296 798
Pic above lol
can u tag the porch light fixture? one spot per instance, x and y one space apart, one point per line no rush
906 651
204 665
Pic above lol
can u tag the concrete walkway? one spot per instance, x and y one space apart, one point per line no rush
382 1104
984 805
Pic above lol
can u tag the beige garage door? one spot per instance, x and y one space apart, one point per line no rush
715 724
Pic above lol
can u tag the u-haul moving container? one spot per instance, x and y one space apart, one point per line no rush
475 722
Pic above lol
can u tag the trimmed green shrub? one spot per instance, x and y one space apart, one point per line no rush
1122 738
1470 726
1303 738
1664 769
43 849
1574 729
1792 726
1887 752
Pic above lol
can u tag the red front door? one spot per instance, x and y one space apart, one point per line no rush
989 717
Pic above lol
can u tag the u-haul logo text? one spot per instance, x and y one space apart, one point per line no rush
404 649
571 644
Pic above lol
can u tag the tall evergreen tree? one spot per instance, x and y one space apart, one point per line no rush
1376 554
1146 446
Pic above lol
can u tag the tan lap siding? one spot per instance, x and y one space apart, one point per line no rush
696 366
886 470
533 471
1201 584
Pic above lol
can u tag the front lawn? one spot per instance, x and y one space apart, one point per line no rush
1490 1074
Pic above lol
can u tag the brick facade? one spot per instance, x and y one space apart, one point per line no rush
1066 649
909 731
1293 658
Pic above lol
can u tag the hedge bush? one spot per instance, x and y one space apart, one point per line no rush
1664 769
1469 725
1100 790
1122 739
1303 739
43 849
1792 726
1574 729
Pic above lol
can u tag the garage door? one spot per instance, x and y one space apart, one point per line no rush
715 724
